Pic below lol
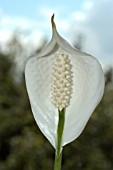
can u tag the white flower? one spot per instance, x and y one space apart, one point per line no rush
63 77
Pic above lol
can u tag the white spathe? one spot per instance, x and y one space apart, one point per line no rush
87 89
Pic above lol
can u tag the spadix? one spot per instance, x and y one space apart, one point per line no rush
61 82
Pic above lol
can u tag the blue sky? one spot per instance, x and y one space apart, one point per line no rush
91 18
29 8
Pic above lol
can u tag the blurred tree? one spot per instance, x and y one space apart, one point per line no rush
21 144
42 45
109 75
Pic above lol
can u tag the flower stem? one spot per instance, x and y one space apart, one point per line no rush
58 154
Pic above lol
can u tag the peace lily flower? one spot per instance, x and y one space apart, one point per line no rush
64 87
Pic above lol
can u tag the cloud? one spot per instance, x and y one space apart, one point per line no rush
5 35
94 20
27 27
95 23
37 29
102 22
16 22
87 5
79 16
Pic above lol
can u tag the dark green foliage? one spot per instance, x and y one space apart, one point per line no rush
22 145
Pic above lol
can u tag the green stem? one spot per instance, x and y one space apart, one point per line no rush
58 155
58 160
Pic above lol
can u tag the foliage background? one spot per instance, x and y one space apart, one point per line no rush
22 145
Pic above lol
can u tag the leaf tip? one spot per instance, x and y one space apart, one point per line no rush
52 21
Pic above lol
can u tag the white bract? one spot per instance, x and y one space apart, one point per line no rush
63 77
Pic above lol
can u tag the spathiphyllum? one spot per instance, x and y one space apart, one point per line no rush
64 87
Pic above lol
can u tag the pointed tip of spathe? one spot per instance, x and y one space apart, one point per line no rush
52 21
52 18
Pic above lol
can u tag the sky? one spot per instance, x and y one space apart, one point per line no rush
93 19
